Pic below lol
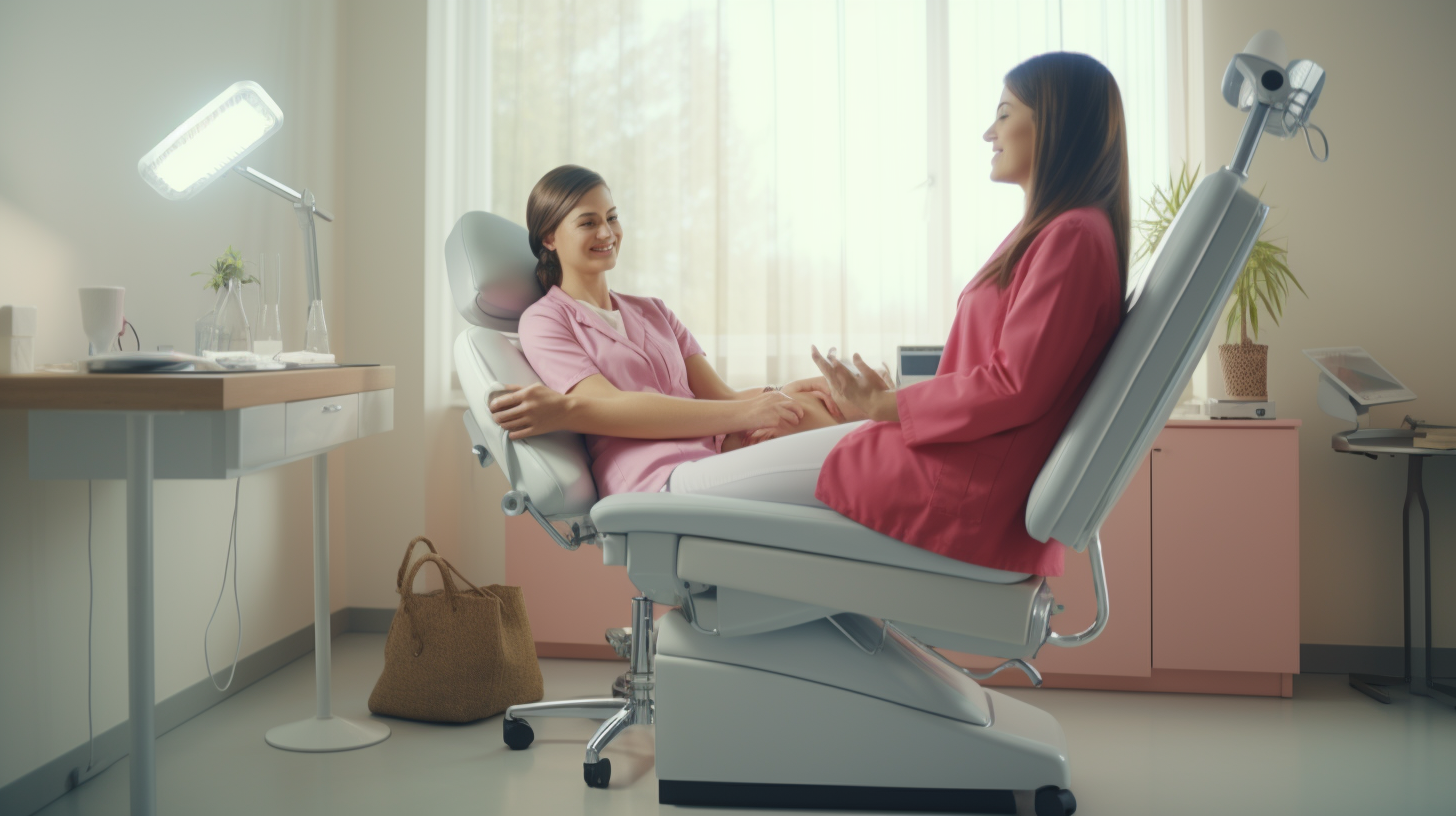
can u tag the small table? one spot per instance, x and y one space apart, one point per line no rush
142 427
1372 442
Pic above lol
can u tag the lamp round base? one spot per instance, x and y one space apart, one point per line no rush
316 735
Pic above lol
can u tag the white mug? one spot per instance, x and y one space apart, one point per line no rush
101 315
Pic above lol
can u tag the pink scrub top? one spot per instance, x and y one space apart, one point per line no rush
971 441
566 342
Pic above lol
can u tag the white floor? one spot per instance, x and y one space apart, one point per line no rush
1327 751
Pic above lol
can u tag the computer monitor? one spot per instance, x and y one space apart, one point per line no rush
917 363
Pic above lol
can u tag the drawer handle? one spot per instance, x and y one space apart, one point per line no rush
333 409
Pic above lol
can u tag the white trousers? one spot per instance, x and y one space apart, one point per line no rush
782 470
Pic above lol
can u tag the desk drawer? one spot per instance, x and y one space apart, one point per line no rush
321 423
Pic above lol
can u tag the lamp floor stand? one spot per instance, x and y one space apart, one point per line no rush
323 732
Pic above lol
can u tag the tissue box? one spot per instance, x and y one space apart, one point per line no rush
17 339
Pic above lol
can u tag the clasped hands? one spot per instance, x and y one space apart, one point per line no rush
847 394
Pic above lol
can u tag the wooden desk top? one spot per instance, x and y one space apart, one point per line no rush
186 391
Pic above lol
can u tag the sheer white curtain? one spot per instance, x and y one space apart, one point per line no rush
795 172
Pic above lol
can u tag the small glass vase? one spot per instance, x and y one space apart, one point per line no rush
268 337
231 332
202 332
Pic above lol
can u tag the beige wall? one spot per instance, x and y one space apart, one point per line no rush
1369 237
86 89
420 479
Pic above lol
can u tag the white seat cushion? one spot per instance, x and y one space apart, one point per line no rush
784 526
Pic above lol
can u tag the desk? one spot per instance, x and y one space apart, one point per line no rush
1372 442
142 427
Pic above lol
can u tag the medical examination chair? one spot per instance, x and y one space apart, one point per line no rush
799 668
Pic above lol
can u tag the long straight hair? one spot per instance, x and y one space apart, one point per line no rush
1079 153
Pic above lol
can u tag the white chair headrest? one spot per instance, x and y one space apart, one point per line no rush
491 269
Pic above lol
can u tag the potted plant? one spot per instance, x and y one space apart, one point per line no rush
1263 283
225 328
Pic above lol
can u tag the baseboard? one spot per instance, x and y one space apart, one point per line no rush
1331 658
577 651
38 788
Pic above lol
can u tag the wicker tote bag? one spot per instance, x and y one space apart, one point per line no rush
455 656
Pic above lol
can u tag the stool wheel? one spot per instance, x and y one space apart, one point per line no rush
517 734
597 774
1054 801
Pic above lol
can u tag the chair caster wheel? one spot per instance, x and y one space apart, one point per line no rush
1054 801
597 774
517 733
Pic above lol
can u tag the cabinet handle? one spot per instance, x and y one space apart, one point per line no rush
1157 450
333 409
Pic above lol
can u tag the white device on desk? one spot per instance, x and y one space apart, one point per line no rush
1351 381
916 363
1240 409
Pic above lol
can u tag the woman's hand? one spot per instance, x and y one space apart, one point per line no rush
868 392
772 410
530 410
819 388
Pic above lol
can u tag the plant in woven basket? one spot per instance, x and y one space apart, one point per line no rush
1263 284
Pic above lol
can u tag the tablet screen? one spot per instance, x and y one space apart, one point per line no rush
1357 371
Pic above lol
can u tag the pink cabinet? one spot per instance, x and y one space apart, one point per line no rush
1226 549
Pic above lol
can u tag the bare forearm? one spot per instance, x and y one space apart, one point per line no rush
636 415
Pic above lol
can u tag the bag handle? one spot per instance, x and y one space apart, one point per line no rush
408 551
407 588
407 591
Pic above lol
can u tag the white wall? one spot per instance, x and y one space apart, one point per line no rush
1369 237
86 89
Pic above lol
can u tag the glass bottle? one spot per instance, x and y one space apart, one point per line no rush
231 332
268 337
316 336
202 332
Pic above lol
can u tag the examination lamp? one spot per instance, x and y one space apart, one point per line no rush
213 141
1278 94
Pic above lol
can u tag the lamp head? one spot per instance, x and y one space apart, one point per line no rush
211 141
1263 73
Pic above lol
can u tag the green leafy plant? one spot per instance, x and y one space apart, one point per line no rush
1265 280
228 266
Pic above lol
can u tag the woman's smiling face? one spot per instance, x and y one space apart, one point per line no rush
589 238
1012 137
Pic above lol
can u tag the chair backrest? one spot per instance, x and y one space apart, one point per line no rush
1168 325
492 281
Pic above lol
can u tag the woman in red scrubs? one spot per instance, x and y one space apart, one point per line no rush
947 464
961 451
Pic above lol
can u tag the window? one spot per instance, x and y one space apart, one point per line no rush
797 172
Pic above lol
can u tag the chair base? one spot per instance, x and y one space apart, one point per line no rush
738 722
618 713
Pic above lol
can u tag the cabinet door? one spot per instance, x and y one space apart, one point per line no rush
1226 549
1125 647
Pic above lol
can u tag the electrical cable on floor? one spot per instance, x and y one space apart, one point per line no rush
232 558
90 615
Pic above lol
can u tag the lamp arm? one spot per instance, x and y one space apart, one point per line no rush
306 209
279 188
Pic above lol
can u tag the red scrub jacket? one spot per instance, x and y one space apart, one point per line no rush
953 475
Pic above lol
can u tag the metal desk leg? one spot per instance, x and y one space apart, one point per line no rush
140 616
1415 528
323 732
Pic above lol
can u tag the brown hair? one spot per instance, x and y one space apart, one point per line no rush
552 199
1079 153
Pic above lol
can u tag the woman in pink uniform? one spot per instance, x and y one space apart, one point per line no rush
623 369
948 464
